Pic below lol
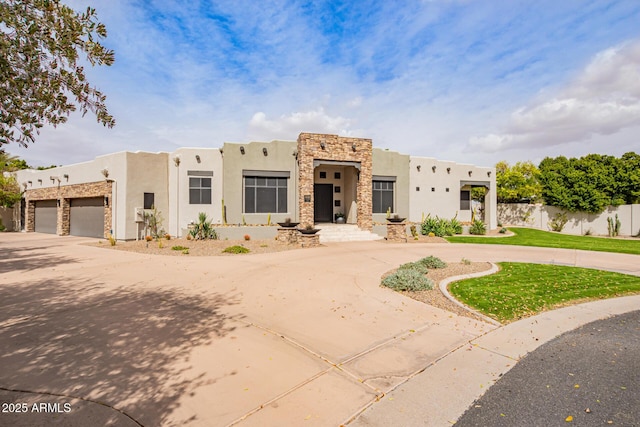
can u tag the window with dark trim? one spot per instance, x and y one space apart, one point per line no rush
148 200
382 196
465 200
265 194
199 191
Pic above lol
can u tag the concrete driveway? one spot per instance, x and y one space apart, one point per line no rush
303 337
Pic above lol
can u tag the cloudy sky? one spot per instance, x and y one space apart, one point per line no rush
475 81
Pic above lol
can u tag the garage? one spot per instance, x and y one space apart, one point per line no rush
86 217
46 216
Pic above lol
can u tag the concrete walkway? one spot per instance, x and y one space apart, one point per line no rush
300 337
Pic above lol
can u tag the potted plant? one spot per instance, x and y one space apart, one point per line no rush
308 229
339 218
287 223
395 218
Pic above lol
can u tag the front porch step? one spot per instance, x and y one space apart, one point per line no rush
344 233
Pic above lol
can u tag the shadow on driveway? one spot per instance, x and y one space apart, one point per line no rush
127 349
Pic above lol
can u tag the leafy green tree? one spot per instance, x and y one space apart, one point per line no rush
9 187
518 182
629 177
588 184
41 76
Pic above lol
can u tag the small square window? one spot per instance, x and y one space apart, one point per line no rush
336 189
447 190
336 175
149 200
336 203
323 175
433 188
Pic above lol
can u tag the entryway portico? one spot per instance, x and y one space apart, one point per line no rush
334 175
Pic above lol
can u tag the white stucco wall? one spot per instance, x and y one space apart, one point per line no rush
181 213
435 189
580 223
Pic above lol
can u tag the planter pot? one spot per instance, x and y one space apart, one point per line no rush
340 220
305 231
396 219
288 224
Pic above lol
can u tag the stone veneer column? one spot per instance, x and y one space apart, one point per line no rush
30 216
397 232
336 148
63 225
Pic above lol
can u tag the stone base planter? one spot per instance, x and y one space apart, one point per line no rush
309 240
397 232
288 235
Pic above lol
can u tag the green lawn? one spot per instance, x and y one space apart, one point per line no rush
547 239
521 289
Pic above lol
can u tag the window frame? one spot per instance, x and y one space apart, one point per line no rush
201 189
390 188
268 183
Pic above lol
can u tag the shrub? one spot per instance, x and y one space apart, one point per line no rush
478 228
432 262
465 261
416 266
503 230
112 240
247 237
203 229
160 245
432 235
167 236
407 280
236 250
440 226
185 251
148 238
414 231
178 248
558 222
3 228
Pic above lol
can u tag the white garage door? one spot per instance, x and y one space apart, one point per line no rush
46 216
86 217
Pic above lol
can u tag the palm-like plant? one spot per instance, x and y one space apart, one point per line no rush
203 229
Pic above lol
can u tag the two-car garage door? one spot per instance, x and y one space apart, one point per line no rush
87 217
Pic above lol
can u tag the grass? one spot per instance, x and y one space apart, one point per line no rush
547 239
520 289
236 250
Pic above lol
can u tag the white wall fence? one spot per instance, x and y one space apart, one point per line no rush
580 223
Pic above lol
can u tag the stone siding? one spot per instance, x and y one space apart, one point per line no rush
309 240
63 194
397 232
336 148
288 235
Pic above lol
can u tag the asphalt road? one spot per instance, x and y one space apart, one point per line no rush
587 377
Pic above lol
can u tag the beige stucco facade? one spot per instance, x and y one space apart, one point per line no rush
317 177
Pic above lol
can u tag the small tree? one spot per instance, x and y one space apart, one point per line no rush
41 79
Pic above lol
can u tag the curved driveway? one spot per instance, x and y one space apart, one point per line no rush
304 336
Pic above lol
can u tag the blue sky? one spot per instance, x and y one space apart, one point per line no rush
470 80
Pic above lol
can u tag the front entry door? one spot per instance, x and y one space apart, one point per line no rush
323 202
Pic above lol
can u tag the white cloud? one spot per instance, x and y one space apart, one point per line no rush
289 126
603 100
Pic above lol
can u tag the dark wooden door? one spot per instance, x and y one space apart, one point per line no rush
323 202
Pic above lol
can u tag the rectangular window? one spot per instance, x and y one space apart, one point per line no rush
382 196
465 200
199 191
265 194
148 200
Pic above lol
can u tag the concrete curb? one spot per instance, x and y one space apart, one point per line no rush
444 284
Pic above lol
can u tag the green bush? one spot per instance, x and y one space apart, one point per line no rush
503 230
416 266
558 222
407 280
236 250
441 227
203 230
478 228
179 248
432 262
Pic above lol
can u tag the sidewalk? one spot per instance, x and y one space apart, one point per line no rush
440 395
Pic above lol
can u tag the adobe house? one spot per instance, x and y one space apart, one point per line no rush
310 180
